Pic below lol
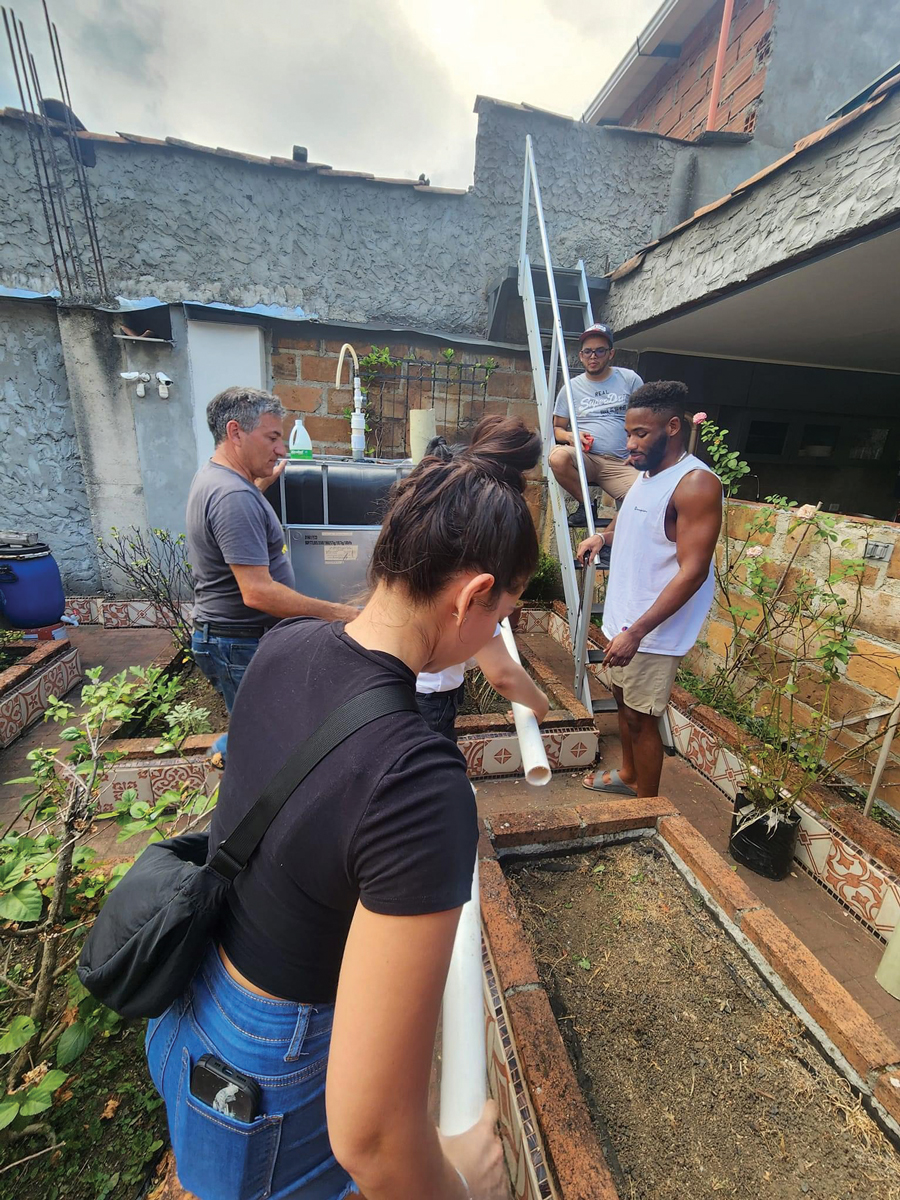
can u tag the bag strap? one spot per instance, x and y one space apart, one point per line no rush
233 854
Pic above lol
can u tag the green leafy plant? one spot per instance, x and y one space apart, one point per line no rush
791 636
51 884
155 564
546 582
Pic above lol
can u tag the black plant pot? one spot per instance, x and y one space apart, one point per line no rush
767 854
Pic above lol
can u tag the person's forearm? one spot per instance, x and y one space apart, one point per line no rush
564 437
413 1170
516 685
280 601
674 596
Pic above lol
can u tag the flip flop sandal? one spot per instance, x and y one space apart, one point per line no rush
615 786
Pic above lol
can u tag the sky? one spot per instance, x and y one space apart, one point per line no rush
386 86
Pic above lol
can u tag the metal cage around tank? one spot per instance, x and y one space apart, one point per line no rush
331 511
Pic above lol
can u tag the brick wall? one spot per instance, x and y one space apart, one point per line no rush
871 678
303 370
676 101
303 374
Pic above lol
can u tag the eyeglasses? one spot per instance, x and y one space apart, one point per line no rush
597 353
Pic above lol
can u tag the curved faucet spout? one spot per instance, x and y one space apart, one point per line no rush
346 346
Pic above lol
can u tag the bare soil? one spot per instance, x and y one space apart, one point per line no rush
699 1082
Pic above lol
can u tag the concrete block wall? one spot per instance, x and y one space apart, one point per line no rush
676 102
871 679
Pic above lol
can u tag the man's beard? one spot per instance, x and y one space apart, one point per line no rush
656 452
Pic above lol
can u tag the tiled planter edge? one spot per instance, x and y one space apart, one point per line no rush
850 1038
863 878
51 669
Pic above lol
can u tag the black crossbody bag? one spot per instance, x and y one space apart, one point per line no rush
154 928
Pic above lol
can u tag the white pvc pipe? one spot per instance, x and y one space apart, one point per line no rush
531 744
463 1056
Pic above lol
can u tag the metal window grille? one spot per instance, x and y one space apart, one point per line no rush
456 391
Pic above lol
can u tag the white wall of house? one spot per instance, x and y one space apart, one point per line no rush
222 355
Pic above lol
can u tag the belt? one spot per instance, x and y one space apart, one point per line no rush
209 629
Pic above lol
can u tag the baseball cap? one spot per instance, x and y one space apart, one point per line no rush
603 330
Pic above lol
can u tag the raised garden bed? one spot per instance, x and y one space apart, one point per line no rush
855 859
38 672
663 1091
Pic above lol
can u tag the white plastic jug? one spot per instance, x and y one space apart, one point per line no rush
300 445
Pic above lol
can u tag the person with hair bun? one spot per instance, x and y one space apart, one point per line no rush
324 984
440 693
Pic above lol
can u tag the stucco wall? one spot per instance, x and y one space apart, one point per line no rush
41 480
181 224
778 219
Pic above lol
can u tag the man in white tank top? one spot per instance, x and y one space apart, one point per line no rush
661 578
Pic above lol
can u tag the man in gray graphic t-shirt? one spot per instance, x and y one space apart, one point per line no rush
601 397
243 580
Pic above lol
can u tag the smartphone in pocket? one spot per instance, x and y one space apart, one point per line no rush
224 1089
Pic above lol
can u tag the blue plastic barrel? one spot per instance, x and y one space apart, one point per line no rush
31 591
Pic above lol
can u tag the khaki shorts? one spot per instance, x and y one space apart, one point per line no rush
613 474
646 681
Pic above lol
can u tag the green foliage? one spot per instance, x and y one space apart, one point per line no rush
726 464
51 886
156 565
371 365
546 582
786 642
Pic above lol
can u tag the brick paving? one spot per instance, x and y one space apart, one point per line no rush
848 951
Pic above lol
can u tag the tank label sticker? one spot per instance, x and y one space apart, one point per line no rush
338 552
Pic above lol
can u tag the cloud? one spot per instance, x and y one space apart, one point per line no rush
385 86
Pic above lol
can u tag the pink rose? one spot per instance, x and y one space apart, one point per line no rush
754 551
699 418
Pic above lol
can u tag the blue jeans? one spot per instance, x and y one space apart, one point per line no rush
285 1151
223 661
440 708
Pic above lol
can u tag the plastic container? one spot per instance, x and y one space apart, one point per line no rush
299 446
767 854
31 591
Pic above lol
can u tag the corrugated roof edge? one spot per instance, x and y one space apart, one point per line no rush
324 170
878 96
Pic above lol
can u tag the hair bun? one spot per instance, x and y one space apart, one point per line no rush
504 448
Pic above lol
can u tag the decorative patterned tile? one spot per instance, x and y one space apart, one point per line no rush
129 614
578 749
888 914
84 609
501 756
33 701
519 1134
854 880
473 752
11 723
170 775
553 745
702 751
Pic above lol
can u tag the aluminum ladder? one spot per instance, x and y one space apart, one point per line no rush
579 593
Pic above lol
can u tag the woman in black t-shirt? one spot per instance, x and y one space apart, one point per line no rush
324 990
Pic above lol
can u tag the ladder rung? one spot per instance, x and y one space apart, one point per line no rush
606 705
597 610
596 656
562 303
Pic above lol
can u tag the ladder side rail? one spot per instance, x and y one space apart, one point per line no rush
558 330
545 411
585 294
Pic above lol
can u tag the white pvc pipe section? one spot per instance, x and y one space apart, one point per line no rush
463 1061
531 744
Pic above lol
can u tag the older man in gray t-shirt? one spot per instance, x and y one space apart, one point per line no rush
600 396
243 579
